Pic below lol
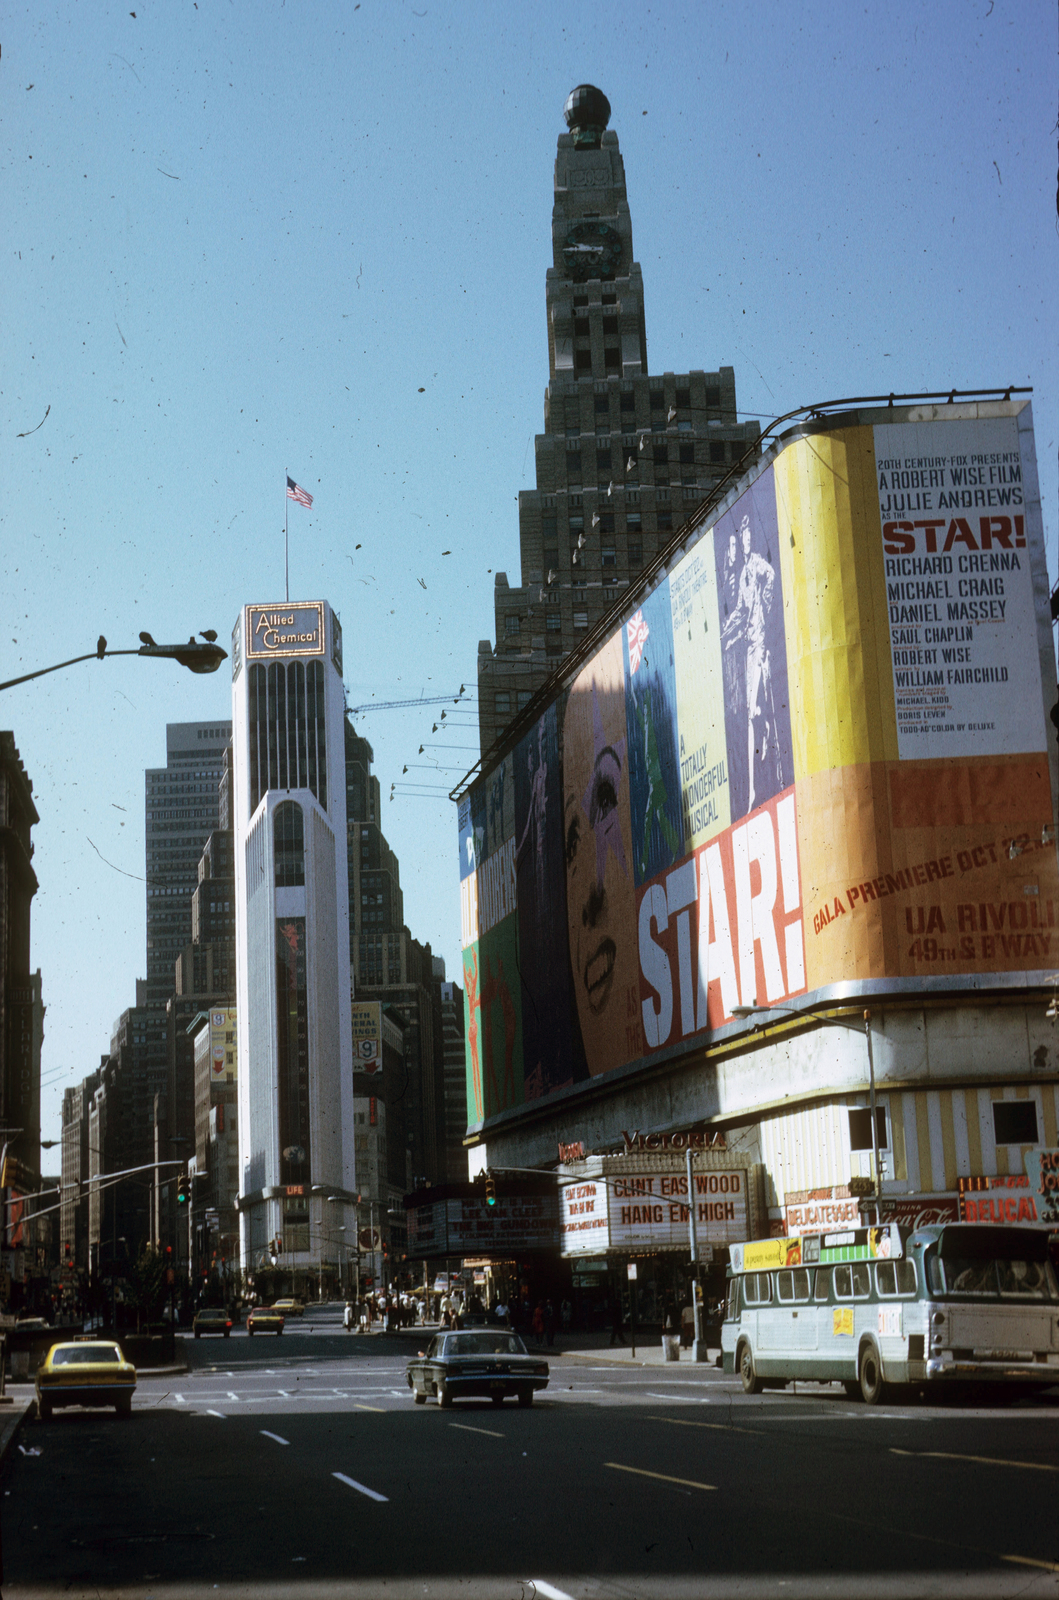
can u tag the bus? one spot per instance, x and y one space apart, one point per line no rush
874 1307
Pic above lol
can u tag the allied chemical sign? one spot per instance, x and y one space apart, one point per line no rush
286 630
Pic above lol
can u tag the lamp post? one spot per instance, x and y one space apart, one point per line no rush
204 657
852 1027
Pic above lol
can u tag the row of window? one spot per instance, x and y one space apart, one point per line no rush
502 701
656 399
849 1281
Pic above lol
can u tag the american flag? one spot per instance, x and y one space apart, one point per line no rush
296 492
637 631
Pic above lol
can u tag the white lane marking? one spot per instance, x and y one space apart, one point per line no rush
360 1487
548 1590
688 1399
217 1414
465 1429
277 1436
179 1398
232 1395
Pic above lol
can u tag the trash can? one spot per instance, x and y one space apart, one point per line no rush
671 1347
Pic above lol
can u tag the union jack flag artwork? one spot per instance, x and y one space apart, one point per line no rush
637 632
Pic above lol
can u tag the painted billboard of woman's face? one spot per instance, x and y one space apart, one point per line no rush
600 896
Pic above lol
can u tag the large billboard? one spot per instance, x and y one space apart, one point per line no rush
815 752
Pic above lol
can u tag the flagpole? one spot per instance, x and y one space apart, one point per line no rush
286 552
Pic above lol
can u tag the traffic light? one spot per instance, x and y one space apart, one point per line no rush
183 1191
490 1189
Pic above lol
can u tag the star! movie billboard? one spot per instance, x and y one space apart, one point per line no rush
816 752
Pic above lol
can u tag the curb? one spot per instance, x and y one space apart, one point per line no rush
12 1423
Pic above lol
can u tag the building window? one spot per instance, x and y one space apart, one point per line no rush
685 427
612 360
548 525
633 521
660 455
628 402
635 553
583 360
287 732
603 460
502 702
1015 1121
524 698
601 405
716 450
683 397
665 521
288 840
512 623
687 454
860 1128
580 620
610 324
580 300
573 466
608 556
738 446
609 299
713 396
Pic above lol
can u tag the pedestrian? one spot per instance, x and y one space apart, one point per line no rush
550 1320
347 1318
566 1314
538 1324
616 1320
500 1312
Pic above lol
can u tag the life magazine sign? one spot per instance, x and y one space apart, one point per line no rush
959 590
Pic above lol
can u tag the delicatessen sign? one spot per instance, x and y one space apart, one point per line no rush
648 1211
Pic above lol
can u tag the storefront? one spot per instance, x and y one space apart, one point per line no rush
615 1210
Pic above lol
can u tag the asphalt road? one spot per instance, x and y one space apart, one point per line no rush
299 1466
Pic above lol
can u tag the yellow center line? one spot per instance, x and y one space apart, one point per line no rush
984 1461
1028 1561
380 1409
663 1477
464 1428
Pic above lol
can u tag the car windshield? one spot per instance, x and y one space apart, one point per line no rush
484 1344
79 1355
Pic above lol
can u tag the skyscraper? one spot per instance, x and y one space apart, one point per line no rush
625 456
293 979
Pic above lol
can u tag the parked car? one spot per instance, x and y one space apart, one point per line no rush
211 1319
87 1372
488 1363
264 1319
291 1307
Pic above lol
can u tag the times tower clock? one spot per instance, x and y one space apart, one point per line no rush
592 250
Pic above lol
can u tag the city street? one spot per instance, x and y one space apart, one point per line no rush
299 1465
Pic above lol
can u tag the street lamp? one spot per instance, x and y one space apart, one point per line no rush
204 657
853 1027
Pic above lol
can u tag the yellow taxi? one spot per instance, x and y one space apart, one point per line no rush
86 1372
290 1307
265 1319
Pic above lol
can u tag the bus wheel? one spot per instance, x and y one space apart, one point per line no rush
871 1378
749 1378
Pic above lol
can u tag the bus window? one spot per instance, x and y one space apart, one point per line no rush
793 1285
732 1309
895 1277
906 1276
756 1289
1028 1279
823 1282
861 1279
989 1277
843 1284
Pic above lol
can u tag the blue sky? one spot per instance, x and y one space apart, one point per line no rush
242 238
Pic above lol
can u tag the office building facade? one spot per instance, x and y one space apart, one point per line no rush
293 978
625 455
